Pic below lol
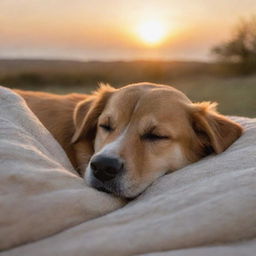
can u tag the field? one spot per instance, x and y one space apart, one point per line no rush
235 94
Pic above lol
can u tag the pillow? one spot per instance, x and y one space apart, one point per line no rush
40 192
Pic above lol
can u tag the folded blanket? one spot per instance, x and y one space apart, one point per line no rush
207 208
40 193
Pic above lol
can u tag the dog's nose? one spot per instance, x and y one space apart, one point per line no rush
106 168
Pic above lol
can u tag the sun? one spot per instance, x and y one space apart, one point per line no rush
152 32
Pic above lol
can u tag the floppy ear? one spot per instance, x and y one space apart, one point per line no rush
86 113
215 131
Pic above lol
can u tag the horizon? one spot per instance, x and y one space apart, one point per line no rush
117 30
210 61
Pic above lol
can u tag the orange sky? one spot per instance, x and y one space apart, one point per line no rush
108 29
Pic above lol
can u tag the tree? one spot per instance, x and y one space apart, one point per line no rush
241 48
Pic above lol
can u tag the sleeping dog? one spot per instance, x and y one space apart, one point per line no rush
121 140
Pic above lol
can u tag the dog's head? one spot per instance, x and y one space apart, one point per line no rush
142 131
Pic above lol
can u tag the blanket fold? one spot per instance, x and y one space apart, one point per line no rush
40 192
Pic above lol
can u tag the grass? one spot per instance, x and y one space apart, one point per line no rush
236 96
199 81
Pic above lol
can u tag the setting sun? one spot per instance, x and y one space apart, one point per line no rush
152 32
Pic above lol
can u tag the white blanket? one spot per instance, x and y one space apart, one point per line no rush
40 193
208 208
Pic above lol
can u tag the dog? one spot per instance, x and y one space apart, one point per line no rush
122 140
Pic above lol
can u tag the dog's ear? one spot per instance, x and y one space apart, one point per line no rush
214 131
86 113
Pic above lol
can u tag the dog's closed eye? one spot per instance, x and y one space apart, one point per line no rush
106 127
153 137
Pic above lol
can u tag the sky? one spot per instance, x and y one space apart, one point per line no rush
117 29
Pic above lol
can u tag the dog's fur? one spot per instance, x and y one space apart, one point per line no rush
153 128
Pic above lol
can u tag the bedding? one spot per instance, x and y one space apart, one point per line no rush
40 193
206 208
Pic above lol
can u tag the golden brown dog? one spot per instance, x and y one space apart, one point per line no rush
126 138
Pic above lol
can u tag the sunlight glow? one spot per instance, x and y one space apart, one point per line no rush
152 32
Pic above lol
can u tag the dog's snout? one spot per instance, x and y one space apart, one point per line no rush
106 168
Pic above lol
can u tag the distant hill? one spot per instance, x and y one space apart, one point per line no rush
118 72
26 65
